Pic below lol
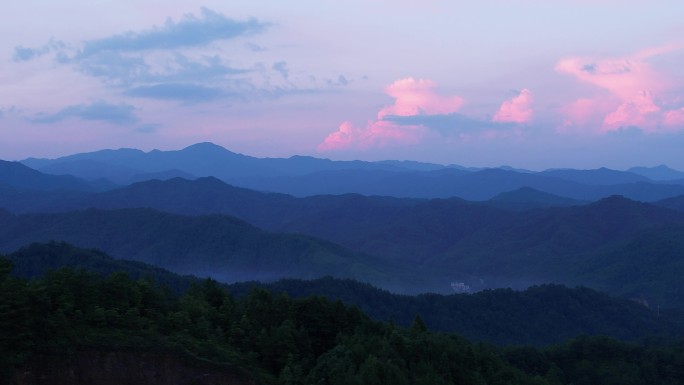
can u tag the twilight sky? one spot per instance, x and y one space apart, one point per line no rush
526 83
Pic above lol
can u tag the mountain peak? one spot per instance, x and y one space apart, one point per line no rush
205 146
659 173
619 203
614 199
528 197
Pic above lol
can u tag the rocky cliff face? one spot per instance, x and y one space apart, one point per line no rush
123 367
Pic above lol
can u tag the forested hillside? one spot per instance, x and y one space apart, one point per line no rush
38 259
220 246
267 339
539 315
406 245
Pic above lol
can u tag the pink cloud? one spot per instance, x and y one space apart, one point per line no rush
516 110
417 96
583 113
376 134
411 97
639 111
583 110
634 95
674 119
622 77
344 137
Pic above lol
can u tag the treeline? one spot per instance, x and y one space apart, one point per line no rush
291 341
540 315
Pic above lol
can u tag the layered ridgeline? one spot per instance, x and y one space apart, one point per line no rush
620 246
527 228
219 246
520 237
305 176
17 176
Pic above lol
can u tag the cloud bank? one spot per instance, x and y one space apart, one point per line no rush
182 61
635 97
190 93
516 110
191 31
119 114
411 97
418 109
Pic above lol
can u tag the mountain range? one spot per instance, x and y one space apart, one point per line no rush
406 245
306 176
525 228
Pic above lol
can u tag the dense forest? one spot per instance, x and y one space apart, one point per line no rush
277 339
539 315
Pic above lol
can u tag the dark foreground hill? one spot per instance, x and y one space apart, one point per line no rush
539 315
77 328
38 259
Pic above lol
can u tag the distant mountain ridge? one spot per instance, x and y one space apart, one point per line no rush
602 176
659 173
201 159
526 198
307 176
475 186
17 175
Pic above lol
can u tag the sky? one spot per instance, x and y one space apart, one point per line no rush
532 84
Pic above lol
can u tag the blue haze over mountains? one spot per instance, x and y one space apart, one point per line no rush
306 176
405 226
